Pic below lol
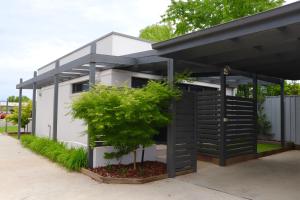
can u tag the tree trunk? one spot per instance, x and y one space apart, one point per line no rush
143 155
134 159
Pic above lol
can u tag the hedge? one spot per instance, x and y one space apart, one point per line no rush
71 158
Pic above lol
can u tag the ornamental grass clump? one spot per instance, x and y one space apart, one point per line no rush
73 159
123 117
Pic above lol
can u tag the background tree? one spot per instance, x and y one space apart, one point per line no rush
16 99
157 33
26 114
192 15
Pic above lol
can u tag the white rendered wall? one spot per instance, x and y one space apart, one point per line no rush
69 130
104 46
123 45
99 152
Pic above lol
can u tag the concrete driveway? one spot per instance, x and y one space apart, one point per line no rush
270 178
26 176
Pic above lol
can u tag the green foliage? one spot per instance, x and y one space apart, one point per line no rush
16 99
267 147
157 33
26 114
263 124
124 118
191 15
290 88
72 159
9 129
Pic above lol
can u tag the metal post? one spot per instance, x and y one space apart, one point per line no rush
171 165
55 103
92 81
6 116
20 110
34 105
254 95
222 158
282 113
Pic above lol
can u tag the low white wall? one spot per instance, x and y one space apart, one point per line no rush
99 160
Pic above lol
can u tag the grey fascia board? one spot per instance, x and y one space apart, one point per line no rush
151 59
109 59
275 18
143 54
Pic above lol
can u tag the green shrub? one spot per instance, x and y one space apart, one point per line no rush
73 159
123 117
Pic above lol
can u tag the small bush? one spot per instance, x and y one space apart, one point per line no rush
73 159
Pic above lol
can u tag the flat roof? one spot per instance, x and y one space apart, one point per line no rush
267 43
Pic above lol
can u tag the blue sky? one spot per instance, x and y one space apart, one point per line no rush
36 32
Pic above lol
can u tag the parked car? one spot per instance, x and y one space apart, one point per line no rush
2 115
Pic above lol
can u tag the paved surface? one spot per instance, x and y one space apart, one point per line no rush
26 176
274 177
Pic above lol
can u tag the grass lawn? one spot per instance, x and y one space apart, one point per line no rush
262 147
9 129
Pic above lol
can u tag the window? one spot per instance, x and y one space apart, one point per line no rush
138 82
80 87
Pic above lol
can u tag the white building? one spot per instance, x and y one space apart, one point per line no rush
72 131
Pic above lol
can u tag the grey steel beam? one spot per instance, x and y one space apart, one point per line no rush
254 95
282 114
171 135
151 59
233 71
92 82
63 68
20 111
34 105
55 103
82 71
109 59
222 148
94 58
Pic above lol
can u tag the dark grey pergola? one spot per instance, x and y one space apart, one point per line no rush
262 47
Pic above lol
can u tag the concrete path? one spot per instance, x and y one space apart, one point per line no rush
275 177
26 176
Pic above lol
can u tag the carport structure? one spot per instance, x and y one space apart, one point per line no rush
262 47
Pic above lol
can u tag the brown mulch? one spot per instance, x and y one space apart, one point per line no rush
149 169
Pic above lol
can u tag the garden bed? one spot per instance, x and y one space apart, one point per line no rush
125 174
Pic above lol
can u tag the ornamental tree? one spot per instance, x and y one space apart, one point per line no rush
26 115
123 117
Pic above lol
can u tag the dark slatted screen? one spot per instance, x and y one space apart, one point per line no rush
208 122
240 126
185 141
